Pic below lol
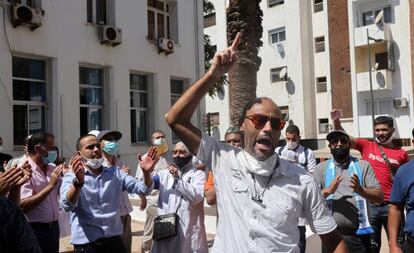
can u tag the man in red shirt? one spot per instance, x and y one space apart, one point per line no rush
385 158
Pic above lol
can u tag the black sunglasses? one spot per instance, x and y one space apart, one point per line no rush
260 120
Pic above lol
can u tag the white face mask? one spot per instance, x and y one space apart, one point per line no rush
386 142
292 144
160 141
94 163
1 148
261 168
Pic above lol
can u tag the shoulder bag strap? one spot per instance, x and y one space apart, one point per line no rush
387 161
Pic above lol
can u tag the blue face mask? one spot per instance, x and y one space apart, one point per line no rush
50 158
111 147
159 141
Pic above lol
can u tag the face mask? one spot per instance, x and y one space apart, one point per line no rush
94 163
51 156
182 161
387 141
339 154
292 145
261 168
111 147
160 141
1 148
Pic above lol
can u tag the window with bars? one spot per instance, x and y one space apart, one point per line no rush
29 98
139 107
91 92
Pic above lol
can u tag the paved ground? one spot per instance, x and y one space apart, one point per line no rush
137 228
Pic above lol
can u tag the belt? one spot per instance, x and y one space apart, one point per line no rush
51 224
99 242
347 231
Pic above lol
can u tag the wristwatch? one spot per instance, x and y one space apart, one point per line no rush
76 183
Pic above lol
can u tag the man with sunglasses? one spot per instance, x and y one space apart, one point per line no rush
345 183
260 196
385 158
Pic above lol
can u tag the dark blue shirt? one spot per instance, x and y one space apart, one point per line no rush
403 194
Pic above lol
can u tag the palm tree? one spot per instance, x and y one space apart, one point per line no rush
244 16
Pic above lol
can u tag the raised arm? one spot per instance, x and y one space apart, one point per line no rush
336 115
179 116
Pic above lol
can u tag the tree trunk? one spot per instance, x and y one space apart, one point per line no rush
244 16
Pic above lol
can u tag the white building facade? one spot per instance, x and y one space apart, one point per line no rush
326 70
96 65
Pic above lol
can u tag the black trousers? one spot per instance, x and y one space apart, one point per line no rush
355 243
408 246
103 245
47 234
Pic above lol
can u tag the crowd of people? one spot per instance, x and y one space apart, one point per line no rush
265 194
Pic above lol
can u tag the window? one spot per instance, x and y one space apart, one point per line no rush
368 18
91 99
285 112
275 75
272 3
321 84
382 60
277 35
159 19
177 89
29 98
100 12
320 44
317 5
324 126
139 107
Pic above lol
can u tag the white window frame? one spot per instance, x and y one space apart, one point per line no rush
141 109
273 3
94 107
277 32
317 6
32 104
374 12
319 45
323 127
320 85
275 72
167 16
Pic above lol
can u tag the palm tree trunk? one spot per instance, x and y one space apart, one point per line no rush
244 16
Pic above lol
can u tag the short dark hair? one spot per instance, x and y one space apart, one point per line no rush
233 130
294 129
249 105
36 139
384 120
78 142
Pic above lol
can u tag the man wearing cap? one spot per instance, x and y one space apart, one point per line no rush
150 203
346 183
92 193
110 151
385 158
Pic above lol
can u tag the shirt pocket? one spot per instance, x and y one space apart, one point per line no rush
239 190
281 213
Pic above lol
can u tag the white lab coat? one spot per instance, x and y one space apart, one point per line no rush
191 234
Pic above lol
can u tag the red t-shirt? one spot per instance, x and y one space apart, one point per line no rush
371 153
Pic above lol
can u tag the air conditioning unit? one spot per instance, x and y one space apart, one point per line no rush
22 14
165 45
109 35
400 102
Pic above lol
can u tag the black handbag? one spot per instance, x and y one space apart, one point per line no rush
166 225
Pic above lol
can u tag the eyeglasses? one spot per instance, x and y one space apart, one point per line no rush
260 120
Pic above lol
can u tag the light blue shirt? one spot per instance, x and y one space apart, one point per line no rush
96 214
